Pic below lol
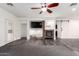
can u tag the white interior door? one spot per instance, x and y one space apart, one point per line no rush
23 30
10 32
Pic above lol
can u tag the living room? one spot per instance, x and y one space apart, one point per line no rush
37 25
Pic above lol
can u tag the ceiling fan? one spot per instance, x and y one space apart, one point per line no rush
45 7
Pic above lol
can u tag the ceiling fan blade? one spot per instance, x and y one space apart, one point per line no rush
53 5
49 11
35 8
41 12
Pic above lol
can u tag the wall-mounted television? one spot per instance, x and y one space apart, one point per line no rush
35 24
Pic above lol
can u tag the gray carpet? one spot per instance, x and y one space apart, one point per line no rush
35 48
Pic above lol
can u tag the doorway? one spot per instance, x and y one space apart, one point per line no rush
23 31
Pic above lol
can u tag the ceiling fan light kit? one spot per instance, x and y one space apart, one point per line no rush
44 9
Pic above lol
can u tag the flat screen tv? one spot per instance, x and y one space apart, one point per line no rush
36 24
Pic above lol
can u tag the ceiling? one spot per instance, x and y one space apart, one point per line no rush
24 10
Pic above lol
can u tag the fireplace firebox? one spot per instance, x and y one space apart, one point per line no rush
49 34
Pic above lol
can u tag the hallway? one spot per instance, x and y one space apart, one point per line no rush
32 48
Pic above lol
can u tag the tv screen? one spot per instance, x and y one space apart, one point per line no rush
36 24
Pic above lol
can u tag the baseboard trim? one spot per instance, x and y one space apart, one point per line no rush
3 45
8 42
69 38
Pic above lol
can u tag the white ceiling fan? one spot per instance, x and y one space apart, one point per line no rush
46 8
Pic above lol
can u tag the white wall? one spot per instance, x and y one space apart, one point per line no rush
4 17
30 31
3 32
38 32
49 24
71 30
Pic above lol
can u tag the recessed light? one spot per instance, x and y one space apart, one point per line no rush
73 9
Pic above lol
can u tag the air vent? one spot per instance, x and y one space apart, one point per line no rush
73 4
9 4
